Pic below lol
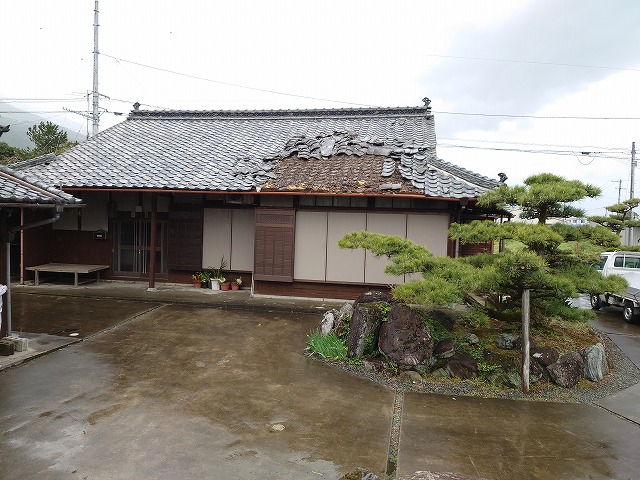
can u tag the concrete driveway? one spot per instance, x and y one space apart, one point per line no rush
193 392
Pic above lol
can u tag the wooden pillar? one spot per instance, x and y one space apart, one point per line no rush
525 339
4 236
152 241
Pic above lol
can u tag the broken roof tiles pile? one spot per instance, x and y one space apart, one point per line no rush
241 151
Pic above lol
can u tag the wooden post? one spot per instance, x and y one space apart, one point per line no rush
525 339
152 242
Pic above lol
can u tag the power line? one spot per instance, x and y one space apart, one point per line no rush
173 72
577 147
522 150
275 92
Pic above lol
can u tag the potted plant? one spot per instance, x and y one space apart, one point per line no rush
237 284
217 277
196 280
205 277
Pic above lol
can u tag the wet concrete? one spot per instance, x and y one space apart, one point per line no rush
501 439
215 390
191 392
63 315
39 344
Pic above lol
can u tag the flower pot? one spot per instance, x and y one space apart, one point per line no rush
215 284
225 286
235 286
197 284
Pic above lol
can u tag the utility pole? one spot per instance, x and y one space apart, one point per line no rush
633 168
96 96
619 188
633 165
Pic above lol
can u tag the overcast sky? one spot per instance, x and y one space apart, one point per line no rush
495 71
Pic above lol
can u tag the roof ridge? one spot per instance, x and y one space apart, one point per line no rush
284 113
465 174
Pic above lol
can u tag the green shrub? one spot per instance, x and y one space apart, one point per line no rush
327 346
476 318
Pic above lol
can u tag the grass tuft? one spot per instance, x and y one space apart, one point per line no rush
327 346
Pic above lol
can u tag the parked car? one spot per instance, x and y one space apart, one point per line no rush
626 265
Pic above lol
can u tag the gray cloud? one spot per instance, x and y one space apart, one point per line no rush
579 32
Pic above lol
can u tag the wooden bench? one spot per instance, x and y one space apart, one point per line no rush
74 268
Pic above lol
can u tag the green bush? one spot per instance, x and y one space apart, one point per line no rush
327 346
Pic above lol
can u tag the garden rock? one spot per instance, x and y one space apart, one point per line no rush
422 475
364 330
445 348
506 341
470 338
545 356
341 318
404 338
328 320
441 373
595 362
360 474
372 296
412 376
465 367
567 370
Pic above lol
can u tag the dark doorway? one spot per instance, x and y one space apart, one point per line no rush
132 252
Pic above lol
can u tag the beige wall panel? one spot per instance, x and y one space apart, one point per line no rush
344 265
430 231
94 215
311 246
216 237
242 239
385 224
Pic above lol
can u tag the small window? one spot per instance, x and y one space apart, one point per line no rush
618 262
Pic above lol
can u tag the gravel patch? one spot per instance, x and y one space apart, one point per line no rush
624 374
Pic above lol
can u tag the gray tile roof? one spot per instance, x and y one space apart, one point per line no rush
240 150
17 189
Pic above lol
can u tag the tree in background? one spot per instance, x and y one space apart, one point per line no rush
543 196
620 217
9 154
553 262
48 138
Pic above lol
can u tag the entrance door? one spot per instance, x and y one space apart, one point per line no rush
133 253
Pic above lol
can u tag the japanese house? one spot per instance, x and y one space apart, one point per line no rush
168 193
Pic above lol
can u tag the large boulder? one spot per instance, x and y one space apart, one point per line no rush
545 356
404 338
364 328
465 367
445 348
567 370
372 296
595 362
